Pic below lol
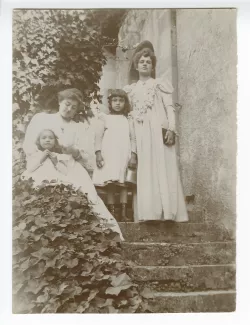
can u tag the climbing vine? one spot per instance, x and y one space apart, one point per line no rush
64 260
53 50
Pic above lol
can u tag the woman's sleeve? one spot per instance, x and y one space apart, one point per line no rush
85 143
132 134
33 161
166 90
62 162
99 132
31 134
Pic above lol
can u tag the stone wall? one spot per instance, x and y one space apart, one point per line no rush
199 55
207 88
153 25
108 80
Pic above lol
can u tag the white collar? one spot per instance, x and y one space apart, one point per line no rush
150 80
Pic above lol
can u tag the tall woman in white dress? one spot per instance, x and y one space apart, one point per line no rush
69 135
159 191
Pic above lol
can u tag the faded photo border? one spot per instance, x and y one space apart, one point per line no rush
242 314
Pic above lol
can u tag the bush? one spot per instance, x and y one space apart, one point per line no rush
64 261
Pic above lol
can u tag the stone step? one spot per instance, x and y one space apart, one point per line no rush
185 278
173 232
163 254
193 302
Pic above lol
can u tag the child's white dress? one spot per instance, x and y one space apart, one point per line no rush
113 138
68 170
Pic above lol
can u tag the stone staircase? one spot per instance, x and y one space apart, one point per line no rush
187 267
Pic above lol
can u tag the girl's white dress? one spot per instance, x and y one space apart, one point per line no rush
159 190
68 133
113 138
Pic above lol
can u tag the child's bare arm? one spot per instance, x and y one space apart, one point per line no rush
99 133
133 160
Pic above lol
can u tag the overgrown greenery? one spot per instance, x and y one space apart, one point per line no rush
54 50
63 259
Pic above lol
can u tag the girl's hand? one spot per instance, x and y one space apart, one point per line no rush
44 156
99 159
133 161
53 158
72 150
169 138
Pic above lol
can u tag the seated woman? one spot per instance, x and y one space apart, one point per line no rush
47 132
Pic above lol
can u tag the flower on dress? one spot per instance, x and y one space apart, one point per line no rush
142 102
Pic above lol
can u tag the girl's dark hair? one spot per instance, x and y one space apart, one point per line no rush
56 148
146 52
119 93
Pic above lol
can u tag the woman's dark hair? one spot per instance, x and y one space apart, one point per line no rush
84 112
119 93
146 52
56 148
72 93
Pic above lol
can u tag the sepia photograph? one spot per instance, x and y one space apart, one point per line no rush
124 143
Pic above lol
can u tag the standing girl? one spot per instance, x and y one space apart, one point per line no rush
115 148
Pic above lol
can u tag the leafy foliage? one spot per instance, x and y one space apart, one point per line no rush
64 260
54 50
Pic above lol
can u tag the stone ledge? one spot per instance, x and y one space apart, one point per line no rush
180 254
173 232
185 278
195 302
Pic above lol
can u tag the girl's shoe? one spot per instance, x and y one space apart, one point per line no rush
124 212
111 208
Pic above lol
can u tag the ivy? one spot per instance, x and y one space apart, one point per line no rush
53 50
64 260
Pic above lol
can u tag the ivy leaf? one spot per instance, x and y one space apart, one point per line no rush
92 294
16 288
71 263
35 286
112 310
122 279
87 267
52 307
115 291
15 107
77 291
108 302
44 253
82 308
22 226
135 301
62 287
43 298
147 293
